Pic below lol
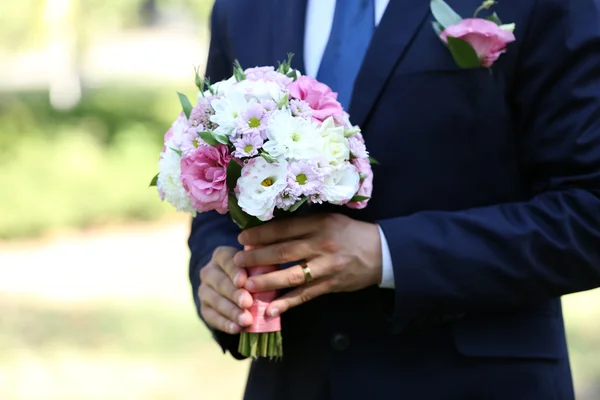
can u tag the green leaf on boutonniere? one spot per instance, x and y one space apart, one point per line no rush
495 19
437 28
154 181
208 138
185 104
444 14
464 55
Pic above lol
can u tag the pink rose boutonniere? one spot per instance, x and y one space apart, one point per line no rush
473 42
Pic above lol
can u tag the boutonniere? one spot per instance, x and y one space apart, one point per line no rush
473 42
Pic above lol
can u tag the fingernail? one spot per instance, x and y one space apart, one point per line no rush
243 320
240 299
250 285
232 328
236 278
238 260
274 312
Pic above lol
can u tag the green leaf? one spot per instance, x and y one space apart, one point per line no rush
268 157
298 204
154 180
238 71
359 198
444 14
243 220
373 161
464 55
495 19
234 171
437 28
208 138
220 138
283 101
185 104
179 152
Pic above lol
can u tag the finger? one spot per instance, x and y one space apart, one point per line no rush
209 297
219 281
278 230
223 256
298 296
218 321
289 277
275 254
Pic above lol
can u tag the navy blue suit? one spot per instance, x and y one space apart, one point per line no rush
488 192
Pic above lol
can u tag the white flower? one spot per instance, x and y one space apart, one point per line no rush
169 185
341 184
260 185
292 137
227 109
260 89
218 87
175 137
335 145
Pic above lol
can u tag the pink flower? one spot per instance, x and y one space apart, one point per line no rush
268 74
366 182
203 174
319 97
486 37
357 146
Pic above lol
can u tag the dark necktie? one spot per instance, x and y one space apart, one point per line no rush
351 32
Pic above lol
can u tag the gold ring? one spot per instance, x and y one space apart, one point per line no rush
307 275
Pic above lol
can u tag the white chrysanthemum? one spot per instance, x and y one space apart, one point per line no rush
292 137
174 138
336 148
260 185
227 109
169 184
218 87
260 89
341 184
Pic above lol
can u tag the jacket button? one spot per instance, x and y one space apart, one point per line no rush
340 342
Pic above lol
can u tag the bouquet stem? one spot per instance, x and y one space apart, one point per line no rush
263 338
261 344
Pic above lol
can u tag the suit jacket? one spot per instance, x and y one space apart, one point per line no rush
488 192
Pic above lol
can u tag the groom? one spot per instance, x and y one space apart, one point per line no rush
485 210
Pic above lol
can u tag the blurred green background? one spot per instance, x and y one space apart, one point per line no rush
94 299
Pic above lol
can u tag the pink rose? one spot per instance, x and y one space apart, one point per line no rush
319 97
486 37
203 174
366 184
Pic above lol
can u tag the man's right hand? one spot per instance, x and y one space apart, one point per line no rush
224 303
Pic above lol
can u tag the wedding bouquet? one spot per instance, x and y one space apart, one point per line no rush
260 145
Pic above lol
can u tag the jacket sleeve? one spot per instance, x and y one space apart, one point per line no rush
211 230
514 254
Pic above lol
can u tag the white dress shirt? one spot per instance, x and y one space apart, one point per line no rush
319 18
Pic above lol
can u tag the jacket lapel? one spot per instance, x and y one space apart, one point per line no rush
289 18
396 29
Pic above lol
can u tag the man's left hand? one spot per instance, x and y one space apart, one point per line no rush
343 255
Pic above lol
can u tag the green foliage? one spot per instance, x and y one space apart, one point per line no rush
84 167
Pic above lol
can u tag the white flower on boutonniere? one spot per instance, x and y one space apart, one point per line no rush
473 42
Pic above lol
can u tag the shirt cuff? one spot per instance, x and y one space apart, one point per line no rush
387 273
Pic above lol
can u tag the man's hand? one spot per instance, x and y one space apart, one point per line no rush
343 255
223 300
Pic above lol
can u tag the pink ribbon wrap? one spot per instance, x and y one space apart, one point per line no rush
262 323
